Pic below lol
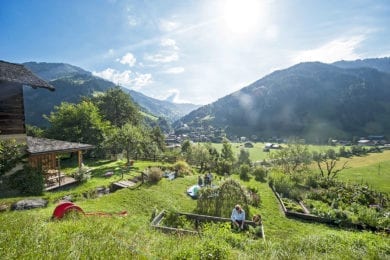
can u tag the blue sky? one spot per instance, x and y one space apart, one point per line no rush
191 50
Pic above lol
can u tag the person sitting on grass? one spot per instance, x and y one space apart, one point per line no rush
238 217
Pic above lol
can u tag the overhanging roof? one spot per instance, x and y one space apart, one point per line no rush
42 145
18 74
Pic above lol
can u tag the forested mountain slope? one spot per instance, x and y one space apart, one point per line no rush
311 100
72 83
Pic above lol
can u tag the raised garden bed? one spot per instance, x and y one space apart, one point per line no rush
318 211
196 220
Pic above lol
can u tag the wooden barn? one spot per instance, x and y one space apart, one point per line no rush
42 153
12 79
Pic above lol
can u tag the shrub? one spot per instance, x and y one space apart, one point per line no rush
225 167
213 250
260 173
172 219
311 181
282 184
28 181
254 198
82 175
10 155
244 172
154 174
182 169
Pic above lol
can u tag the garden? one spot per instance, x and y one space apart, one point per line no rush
320 195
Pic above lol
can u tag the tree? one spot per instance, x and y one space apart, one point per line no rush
293 158
77 123
227 151
128 138
10 155
326 163
226 162
117 107
243 157
186 146
158 138
214 157
200 156
34 131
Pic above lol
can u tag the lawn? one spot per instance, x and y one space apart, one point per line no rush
32 235
372 169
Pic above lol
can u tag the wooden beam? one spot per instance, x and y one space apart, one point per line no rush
80 158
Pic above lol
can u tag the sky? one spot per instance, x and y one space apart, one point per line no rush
192 51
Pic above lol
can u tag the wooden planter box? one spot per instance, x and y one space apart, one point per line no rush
157 220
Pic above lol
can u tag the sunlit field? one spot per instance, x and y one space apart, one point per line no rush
31 234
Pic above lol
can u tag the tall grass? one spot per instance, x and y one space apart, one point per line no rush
32 235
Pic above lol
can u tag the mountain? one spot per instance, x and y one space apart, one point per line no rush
72 83
381 64
311 100
162 107
53 71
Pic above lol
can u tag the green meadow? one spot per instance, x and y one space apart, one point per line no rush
33 235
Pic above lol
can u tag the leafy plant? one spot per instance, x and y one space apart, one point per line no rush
154 174
260 173
10 155
244 172
182 168
28 181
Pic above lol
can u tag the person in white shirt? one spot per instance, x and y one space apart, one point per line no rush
238 217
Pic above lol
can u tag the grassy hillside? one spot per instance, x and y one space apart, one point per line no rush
373 169
32 235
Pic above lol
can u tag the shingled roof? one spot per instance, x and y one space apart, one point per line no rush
18 74
43 145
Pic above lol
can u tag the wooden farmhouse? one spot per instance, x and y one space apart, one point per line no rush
42 153
12 79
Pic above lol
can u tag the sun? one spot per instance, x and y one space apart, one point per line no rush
242 16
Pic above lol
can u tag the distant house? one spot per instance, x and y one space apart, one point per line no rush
269 146
12 79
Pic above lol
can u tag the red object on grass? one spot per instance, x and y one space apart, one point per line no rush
63 208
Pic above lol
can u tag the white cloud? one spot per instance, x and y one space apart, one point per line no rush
132 20
174 70
338 49
125 78
163 57
128 58
168 26
173 95
169 43
168 54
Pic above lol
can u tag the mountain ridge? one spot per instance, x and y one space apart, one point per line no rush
72 82
311 100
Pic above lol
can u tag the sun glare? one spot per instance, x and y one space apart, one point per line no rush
242 16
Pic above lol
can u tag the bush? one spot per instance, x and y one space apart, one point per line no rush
28 181
260 173
10 155
311 181
154 174
282 184
182 169
244 172
82 175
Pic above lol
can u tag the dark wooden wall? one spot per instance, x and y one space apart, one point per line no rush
47 161
11 109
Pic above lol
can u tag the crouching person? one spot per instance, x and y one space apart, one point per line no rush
238 217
